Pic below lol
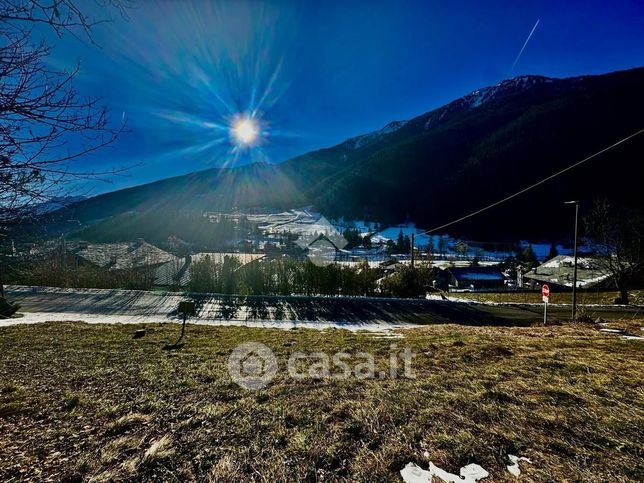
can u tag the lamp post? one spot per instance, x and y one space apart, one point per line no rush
412 250
574 272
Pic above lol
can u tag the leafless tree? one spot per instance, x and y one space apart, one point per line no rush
44 122
617 237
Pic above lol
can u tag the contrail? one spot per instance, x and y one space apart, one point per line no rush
524 45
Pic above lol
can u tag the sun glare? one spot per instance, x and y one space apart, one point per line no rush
245 130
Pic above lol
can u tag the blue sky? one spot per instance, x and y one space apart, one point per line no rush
315 73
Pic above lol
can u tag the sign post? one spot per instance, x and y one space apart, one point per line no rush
545 293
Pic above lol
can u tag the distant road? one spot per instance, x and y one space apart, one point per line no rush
350 312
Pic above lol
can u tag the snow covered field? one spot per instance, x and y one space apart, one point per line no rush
41 304
383 329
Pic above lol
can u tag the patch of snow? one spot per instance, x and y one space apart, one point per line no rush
387 334
563 261
40 317
480 96
514 467
392 127
616 331
355 263
632 337
304 223
468 474
437 116
360 141
421 239
415 474
442 264
560 270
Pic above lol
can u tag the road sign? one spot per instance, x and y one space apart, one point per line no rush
187 307
545 299
545 290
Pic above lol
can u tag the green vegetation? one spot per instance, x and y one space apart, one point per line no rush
82 401
408 281
64 270
287 276
354 239
281 276
8 308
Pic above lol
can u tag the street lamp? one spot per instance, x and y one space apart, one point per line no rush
574 272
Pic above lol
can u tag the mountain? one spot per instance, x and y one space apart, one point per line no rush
54 204
444 164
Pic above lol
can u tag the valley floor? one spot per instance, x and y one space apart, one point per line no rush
87 401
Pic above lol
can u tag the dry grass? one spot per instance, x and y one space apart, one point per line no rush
87 402
583 297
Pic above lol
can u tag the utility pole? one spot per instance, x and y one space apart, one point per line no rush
574 270
412 250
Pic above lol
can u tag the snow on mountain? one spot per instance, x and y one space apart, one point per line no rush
360 141
55 203
472 100
484 95
481 96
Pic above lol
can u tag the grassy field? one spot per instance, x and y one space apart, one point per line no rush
88 402
588 297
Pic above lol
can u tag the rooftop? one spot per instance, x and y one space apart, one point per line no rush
560 271
119 256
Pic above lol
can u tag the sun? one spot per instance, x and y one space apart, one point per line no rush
245 130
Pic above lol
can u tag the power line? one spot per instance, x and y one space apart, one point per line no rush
508 198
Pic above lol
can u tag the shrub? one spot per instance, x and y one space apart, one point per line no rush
7 309
407 282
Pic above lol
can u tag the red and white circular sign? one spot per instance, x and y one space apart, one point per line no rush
545 290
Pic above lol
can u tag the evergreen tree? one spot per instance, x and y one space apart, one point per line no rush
406 247
400 243
430 245
442 245
528 258
553 251
408 282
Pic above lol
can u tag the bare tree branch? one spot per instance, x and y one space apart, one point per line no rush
44 122
617 238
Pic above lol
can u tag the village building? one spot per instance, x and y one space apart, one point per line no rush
472 278
559 271
107 256
119 256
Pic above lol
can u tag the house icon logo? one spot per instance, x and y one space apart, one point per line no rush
322 243
252 365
